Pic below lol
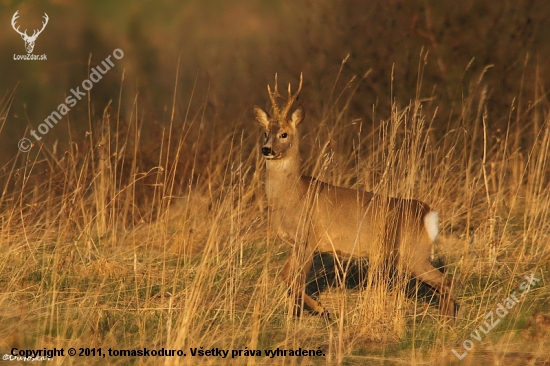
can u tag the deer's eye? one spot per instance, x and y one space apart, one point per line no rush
265 134
284 135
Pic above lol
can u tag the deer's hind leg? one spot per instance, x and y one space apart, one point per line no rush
425 272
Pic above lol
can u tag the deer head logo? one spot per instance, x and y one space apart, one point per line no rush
29 40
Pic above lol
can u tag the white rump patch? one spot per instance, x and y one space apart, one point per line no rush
431 222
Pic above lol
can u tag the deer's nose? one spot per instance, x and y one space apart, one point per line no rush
267 151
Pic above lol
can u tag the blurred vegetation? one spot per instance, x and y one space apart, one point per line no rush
227 51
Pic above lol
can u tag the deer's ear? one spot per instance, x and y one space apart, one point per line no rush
261 116
297 116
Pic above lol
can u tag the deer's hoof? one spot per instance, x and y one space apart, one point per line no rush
325 314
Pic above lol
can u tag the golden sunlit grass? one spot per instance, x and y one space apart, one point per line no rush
140 237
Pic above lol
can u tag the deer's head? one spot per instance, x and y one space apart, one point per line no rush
281 135
29 40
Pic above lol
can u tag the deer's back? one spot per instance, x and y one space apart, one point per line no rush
363 223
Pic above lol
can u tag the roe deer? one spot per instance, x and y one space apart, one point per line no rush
313 216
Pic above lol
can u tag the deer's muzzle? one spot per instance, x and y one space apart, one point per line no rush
267 151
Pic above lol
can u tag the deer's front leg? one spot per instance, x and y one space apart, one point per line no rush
294 275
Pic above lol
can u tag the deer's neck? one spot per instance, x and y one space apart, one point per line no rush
283 181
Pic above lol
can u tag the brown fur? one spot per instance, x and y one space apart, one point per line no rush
314 216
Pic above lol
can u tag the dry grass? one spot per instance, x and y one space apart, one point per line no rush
147 239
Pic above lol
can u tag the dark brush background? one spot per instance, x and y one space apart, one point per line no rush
223 53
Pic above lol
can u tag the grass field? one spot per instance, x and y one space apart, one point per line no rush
130 233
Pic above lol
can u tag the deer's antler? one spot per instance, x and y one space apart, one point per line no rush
273 97
292 98
288 102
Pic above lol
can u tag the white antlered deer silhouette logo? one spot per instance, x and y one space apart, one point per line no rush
29 40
